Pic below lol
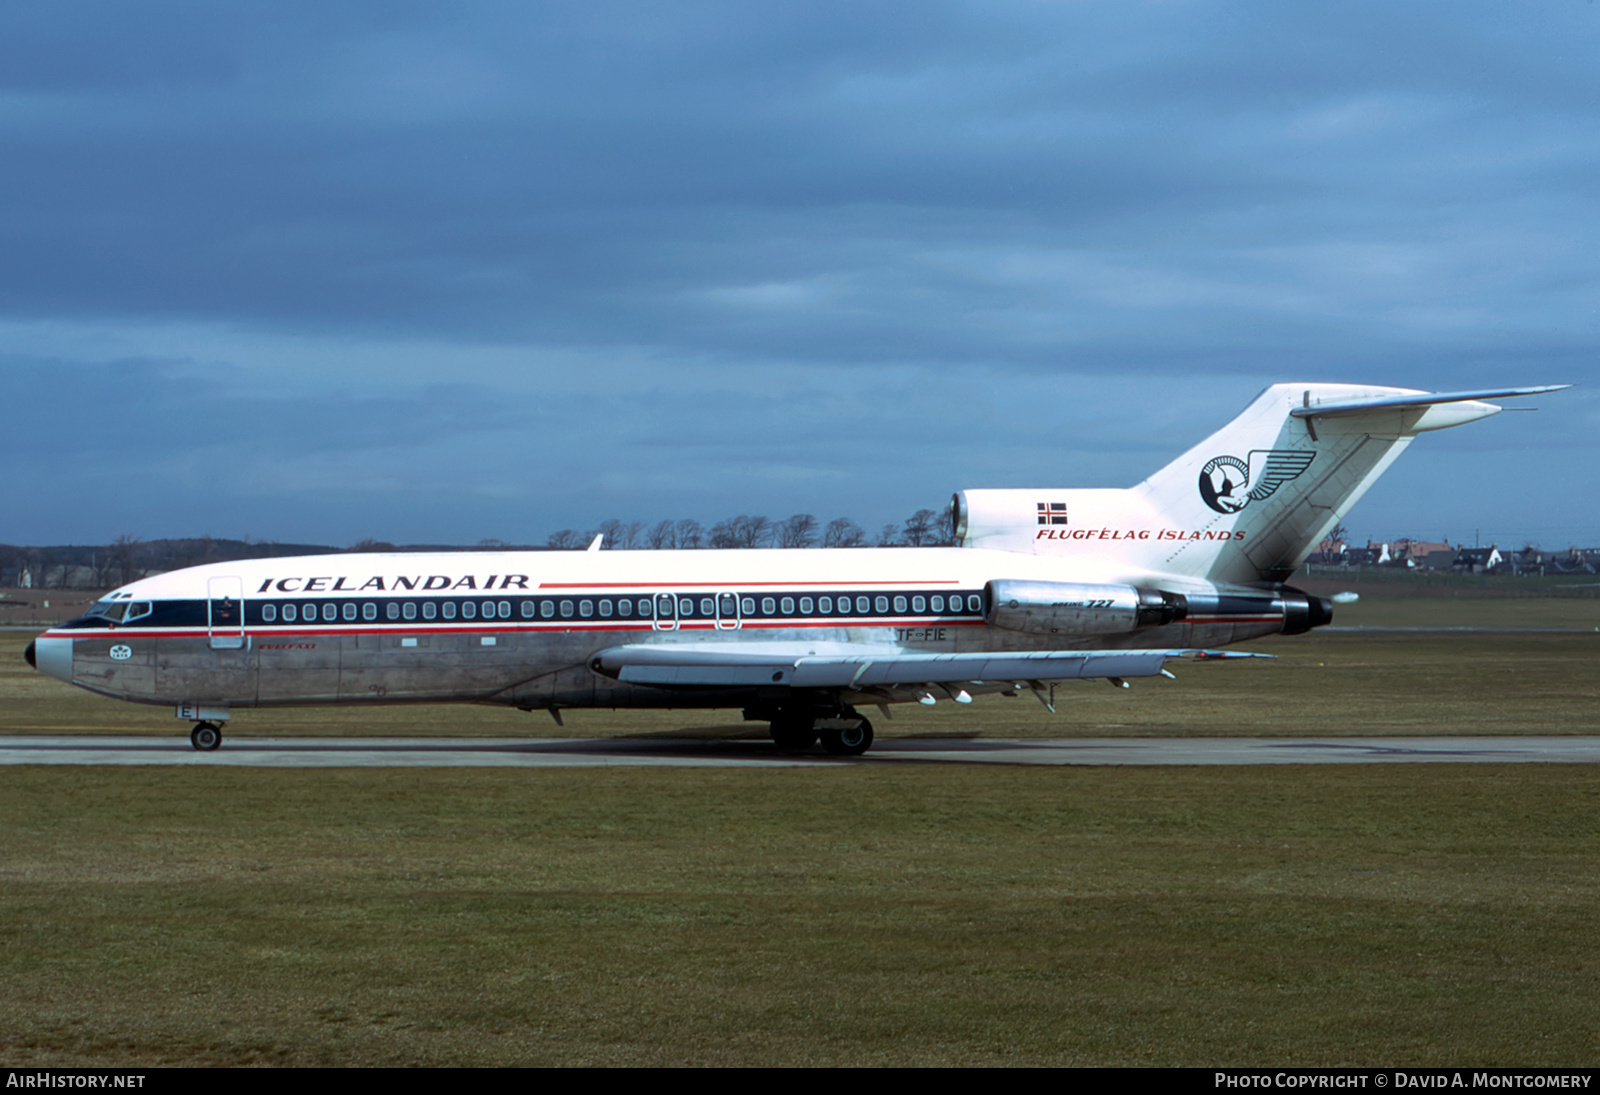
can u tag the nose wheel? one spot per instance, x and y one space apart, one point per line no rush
206 736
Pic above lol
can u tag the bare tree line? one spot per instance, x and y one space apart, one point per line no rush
105 566
925 528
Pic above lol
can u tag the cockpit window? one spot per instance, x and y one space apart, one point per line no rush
118 611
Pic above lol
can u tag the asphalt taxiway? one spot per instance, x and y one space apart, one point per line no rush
739 753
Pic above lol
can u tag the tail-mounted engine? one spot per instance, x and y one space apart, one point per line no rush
1072 608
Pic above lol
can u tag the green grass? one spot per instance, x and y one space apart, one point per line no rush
1402 916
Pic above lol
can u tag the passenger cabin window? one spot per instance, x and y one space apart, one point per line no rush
269 613
469 610
350 612
429 610
448 608
330 611
288 614
409 610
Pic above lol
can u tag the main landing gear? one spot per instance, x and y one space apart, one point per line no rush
206 736
847 735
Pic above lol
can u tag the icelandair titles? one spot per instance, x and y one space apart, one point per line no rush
394 584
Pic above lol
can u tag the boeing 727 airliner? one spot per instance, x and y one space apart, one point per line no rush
1047 585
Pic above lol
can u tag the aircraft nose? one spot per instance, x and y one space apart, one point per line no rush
52 656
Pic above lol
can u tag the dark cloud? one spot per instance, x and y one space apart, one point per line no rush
827 223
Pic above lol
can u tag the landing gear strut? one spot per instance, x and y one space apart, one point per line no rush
206 736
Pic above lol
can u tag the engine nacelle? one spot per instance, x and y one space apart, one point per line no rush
1302 612
1074 608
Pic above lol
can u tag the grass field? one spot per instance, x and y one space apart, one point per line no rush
1412 915
922 914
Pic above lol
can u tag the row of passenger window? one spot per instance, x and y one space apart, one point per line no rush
665 606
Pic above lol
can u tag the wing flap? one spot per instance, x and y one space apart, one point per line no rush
670 666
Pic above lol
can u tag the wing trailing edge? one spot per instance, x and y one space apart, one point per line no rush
669 666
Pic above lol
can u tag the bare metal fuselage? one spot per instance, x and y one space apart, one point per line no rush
527 668
527 630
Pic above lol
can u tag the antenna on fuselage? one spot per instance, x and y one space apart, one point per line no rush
594 545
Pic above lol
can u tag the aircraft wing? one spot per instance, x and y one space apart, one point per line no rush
669 665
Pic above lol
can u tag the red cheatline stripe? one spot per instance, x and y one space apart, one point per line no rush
734 587
533 627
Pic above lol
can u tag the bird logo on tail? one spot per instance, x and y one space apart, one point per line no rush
1228 484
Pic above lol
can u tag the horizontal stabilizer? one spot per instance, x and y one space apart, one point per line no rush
1418 399
689 666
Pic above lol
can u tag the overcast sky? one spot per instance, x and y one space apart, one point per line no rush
440 273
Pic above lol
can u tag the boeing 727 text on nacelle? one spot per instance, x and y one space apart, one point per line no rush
1047 585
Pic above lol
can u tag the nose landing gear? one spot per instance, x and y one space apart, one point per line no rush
206 736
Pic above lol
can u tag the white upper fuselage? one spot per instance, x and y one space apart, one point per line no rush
463 574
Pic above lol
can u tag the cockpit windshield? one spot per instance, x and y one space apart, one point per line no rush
119 612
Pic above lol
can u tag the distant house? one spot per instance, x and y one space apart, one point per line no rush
1530 560
1430 555
1477 560
1363 557
1574 561
1333 553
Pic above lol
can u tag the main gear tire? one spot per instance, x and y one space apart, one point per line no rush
851 742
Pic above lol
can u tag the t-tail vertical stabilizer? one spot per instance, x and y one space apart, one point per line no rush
1247 504
1282 475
